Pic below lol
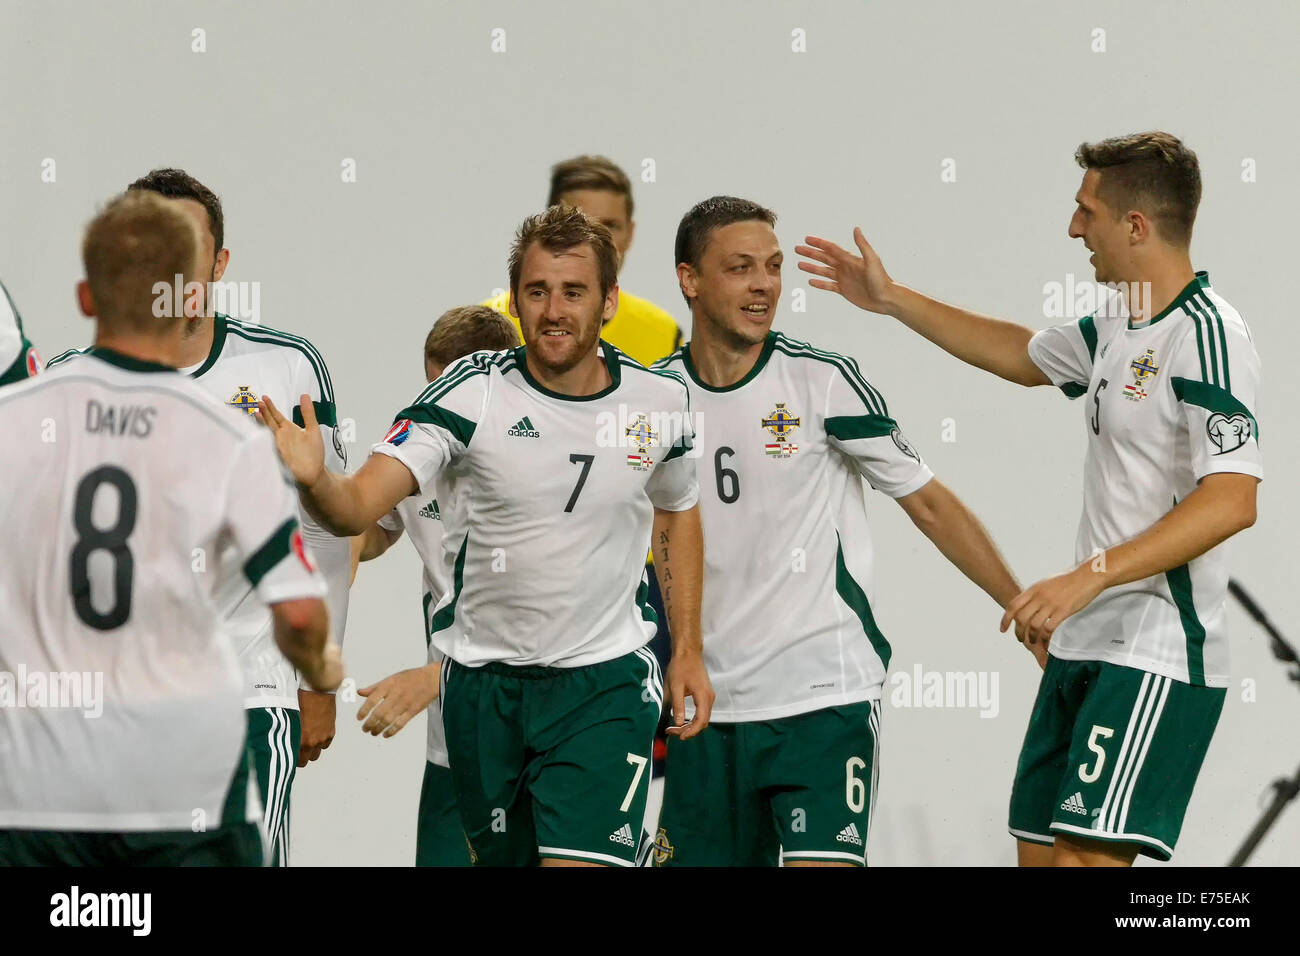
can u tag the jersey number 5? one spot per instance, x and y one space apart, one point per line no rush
112 539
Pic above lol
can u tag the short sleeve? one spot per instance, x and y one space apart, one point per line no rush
674 484
858 425
1065 353
264 527
436 430
392 522
1215 379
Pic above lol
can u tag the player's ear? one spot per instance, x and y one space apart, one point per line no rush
223 260
686 279
611 304
84 300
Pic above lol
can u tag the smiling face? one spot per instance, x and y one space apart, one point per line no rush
1104 231
559 305
737 284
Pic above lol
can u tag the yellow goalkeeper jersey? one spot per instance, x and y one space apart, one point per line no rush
639 328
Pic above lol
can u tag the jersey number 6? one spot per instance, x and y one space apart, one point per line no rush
725 476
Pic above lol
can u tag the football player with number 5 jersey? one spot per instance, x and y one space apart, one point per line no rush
787 773
1138 666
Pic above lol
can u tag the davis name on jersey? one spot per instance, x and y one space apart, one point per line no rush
788 567
548 533
1165 404
245 362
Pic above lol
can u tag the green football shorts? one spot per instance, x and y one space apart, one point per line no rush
439 834
274 734
552 761
760 792
1111 754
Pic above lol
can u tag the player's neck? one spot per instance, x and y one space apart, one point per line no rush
1158 283
197 343
165 350
586 378
720 361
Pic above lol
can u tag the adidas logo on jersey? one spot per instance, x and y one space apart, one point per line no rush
1075 805
524 429
850 835
431 510
623 835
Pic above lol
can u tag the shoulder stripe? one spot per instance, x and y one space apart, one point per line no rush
654 370
444 383
63 357
462 429
260 333
1088 328
1206 303
1213 399
870 397
853 427
675 356
1200 345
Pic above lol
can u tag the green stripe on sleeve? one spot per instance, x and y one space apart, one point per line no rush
851 427
853 595
1212 398
271 553
1074 389
325 414
1088 329
18 370
461 428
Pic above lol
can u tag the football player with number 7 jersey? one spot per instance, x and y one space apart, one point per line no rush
562 456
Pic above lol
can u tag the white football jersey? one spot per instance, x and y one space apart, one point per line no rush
246 362
18 359
120 698
1166 403
423 524
788 580
555 497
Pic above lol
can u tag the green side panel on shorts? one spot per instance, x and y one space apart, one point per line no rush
852 594
439 835
1180 586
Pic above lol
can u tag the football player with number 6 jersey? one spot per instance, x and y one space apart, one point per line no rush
787 773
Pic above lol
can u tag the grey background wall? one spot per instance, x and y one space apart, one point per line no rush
452 142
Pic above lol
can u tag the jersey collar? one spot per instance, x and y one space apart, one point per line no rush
218 342
128 362
611 362
1200 281
768 344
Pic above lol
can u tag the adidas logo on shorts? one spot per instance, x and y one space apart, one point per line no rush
850 835
1075 805
623 835
524 429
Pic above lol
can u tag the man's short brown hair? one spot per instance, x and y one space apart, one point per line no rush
1154 173
589 172
466 329
178 184
138 240
560 229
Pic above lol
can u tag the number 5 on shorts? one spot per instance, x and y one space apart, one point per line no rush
1086 775
640 763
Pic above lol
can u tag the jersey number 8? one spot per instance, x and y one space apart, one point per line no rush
112 539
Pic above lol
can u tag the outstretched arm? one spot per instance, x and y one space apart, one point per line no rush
991 344
342 504
959 536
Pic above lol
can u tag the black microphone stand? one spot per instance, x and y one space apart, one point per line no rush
1284 790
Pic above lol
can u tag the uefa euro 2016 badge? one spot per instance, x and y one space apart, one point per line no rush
1144 368
244 399
642 436
781 422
